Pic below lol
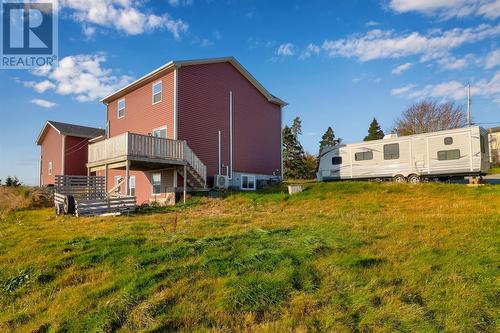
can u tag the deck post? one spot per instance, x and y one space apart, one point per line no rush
184 185
127 177
106 174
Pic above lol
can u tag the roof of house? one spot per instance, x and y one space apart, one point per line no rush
70 130
494 129
179 63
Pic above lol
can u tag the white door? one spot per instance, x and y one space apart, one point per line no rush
159 144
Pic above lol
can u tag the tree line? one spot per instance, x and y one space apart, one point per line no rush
422 117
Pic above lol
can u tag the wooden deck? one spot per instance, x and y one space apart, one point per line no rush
131 151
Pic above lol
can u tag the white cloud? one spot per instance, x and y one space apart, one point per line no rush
454 90
453 63
43 103
82 76
401 68
492 59
380 44
177 3
124 15
403 90
206 43
286 49
309 51
372 23
448 8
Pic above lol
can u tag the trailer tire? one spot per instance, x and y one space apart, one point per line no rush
69 204
399 179
414 179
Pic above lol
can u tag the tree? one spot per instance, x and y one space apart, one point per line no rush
374 131
327 140
296 127
294 162
430 116
12 181
311 166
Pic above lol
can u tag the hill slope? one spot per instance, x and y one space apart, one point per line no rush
337 257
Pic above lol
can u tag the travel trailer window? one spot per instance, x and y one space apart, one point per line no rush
445 155
363 156
448 140
121 108
247 182
157 92
336 160
391 151
131 185
156 177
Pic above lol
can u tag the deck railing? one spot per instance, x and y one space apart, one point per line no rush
130 145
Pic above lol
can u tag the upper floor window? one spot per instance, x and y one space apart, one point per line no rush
121 108
391 151
363 156
157 92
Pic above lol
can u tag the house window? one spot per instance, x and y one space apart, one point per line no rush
160 132
448 140
337 160
156 179
118 189
363 156
121 108
391 151
247 183
445 155
131 185
50 168
157 92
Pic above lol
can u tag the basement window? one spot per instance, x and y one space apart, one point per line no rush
50 168
247 183
157 92
121 108
336 160
156 180
446 155
391 151
363 156
131 185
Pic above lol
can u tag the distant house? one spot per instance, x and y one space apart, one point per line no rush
185 124
494 139
64 149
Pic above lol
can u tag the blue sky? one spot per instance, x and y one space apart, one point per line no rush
337 63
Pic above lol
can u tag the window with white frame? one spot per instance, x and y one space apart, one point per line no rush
160 132
118 189
121 108
50 168
247 183
156 180
131 185
157 92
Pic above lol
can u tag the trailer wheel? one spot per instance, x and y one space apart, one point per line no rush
69 204
414 179
399 179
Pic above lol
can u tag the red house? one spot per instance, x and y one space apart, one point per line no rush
186 123
64 149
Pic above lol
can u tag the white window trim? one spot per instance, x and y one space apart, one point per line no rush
153 92
130 187
153 185
119 188
159 129
248 177
50 168
118 108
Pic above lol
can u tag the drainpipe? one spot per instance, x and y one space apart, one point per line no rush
219 155
230 135
63 154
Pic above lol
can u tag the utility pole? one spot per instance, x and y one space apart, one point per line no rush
468 105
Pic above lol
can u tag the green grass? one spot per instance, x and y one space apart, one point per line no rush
360 257
494 170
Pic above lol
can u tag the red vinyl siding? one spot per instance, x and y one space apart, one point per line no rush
51 151
203 110
76 156
141 116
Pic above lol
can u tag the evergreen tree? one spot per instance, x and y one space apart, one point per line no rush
294 162
12 181
296 127
328 139
374 132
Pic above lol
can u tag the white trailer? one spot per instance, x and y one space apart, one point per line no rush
443 154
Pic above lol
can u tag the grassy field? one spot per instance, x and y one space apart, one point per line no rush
494 170
339 257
